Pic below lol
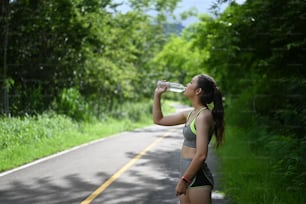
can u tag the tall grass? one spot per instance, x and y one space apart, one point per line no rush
260 162
28 138
249 174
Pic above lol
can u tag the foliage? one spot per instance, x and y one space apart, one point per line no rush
27 131
260 66
246 166
132 111
79 44
72 104
173 62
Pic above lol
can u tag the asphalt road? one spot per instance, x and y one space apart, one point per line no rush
136 167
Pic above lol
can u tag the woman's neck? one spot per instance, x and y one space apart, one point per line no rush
198 106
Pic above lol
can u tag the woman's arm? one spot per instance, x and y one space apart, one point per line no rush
159 118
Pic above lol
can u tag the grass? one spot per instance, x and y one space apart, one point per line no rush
39 137
249 177
23 140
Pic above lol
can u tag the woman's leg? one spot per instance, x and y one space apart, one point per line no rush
184 199
200 195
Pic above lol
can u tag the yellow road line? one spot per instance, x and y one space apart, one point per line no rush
116 175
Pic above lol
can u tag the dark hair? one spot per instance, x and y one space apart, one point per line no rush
211 93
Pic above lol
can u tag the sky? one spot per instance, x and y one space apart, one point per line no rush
202 6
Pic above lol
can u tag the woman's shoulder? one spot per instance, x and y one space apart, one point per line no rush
206 115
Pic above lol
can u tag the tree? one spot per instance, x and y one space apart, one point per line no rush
83 45
257 50
5 82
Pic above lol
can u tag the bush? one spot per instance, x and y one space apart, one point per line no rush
72 104
132 111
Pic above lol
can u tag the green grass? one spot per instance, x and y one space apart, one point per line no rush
46 135
23 140
249 177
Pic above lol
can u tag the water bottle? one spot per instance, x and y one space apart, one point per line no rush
171 86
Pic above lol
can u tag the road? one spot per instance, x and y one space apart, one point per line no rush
136 167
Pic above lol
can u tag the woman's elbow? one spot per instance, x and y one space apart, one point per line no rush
157 122
202 157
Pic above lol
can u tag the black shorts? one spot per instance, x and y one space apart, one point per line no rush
203 176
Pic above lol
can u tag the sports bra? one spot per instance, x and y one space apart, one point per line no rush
190 132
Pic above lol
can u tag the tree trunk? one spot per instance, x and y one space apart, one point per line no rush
4 24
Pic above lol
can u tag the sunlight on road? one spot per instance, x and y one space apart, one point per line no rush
217 195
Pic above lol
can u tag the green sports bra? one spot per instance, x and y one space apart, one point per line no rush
190 132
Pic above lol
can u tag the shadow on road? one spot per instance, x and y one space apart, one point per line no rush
45 191
151 180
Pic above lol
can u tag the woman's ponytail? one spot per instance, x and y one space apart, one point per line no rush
218 114
213 95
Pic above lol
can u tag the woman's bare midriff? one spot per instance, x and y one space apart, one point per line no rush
188 152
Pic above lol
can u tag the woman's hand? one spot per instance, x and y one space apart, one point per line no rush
181 188
160 89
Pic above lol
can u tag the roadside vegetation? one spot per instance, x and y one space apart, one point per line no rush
70 70
250 172
25 139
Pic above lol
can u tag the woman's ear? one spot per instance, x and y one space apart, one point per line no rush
199 91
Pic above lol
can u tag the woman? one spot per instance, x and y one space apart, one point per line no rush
196 183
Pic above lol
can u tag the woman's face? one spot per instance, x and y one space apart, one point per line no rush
191 87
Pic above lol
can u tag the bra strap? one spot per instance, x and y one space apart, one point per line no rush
192 125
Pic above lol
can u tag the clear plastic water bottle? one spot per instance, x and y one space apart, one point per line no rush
171 86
